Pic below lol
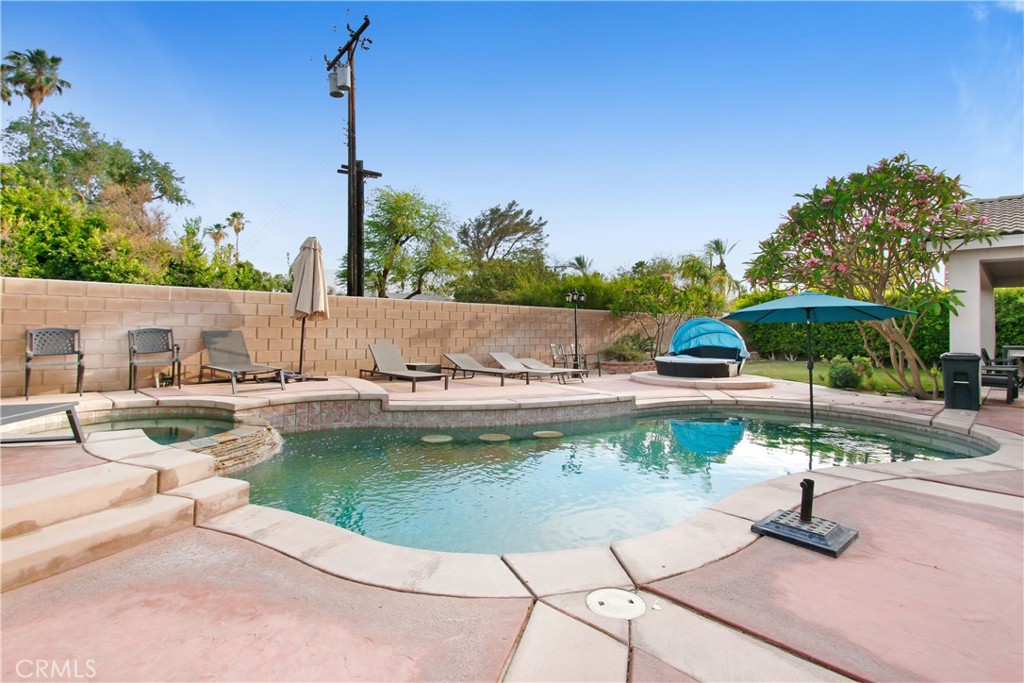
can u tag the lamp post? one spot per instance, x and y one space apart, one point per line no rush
575 297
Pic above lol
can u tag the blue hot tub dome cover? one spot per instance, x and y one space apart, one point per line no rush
706 332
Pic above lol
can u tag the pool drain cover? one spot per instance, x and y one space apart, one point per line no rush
616 603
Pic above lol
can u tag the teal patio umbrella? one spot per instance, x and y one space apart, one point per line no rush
811 307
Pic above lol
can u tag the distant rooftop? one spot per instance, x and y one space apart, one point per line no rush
1006 213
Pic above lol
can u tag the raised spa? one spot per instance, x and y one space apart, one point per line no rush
600 482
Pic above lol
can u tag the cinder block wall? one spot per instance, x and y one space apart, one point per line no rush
104 312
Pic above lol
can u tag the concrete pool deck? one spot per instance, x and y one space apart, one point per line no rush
932 590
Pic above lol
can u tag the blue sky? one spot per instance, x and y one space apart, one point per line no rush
633 128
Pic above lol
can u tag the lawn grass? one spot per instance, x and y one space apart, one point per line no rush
796 371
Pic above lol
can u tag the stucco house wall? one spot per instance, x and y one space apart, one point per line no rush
979 268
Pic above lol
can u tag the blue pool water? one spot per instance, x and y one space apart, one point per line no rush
601 482
167 430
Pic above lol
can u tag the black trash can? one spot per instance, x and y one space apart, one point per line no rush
961 380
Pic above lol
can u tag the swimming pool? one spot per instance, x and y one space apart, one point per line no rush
163 430
599 483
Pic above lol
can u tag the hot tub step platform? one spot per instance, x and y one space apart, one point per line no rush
56 548
31 505
214 496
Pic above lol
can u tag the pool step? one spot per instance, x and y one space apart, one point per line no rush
37 554
174 466
52 524
31 505
214 496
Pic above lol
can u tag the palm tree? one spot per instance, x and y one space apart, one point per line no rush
33 75
718 248
217 232
581 264
5 82
722 281
237 222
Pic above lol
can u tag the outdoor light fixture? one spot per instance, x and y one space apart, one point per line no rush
575 297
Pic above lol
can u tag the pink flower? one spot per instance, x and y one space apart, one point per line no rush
827 199
865 221
923 176
984 220
958 207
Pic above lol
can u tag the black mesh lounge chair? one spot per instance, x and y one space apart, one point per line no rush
228 354
388 362
469 366
510 362
158 347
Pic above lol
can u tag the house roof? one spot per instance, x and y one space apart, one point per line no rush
1005 213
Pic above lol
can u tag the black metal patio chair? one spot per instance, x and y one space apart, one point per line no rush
54 342
157 344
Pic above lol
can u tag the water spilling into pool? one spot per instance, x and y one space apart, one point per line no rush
601 482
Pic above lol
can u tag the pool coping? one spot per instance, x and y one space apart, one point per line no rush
717 532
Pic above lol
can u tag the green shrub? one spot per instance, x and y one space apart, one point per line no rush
1009 317
842 374
632 348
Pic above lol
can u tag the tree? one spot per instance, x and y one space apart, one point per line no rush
581 264
33 75
718 248
237 222
69 153
503 233
407 239
44 235
188 265
433 265
659 294
7 93
880 236
722 280
217 232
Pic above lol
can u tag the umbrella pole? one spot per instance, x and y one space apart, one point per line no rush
302 346
810 365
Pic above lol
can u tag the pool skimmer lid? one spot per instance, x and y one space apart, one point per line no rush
616 603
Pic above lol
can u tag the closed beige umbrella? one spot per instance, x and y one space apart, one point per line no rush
309 293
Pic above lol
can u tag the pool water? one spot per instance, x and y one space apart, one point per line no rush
166 430
601 482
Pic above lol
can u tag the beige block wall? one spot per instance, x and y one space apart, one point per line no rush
104 312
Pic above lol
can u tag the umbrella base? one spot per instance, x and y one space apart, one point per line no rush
819 534
299 377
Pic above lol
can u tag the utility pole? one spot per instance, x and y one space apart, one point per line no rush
360 249
341 83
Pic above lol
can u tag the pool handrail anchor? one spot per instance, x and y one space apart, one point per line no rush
804 529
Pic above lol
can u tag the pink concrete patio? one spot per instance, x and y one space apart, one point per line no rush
932 590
